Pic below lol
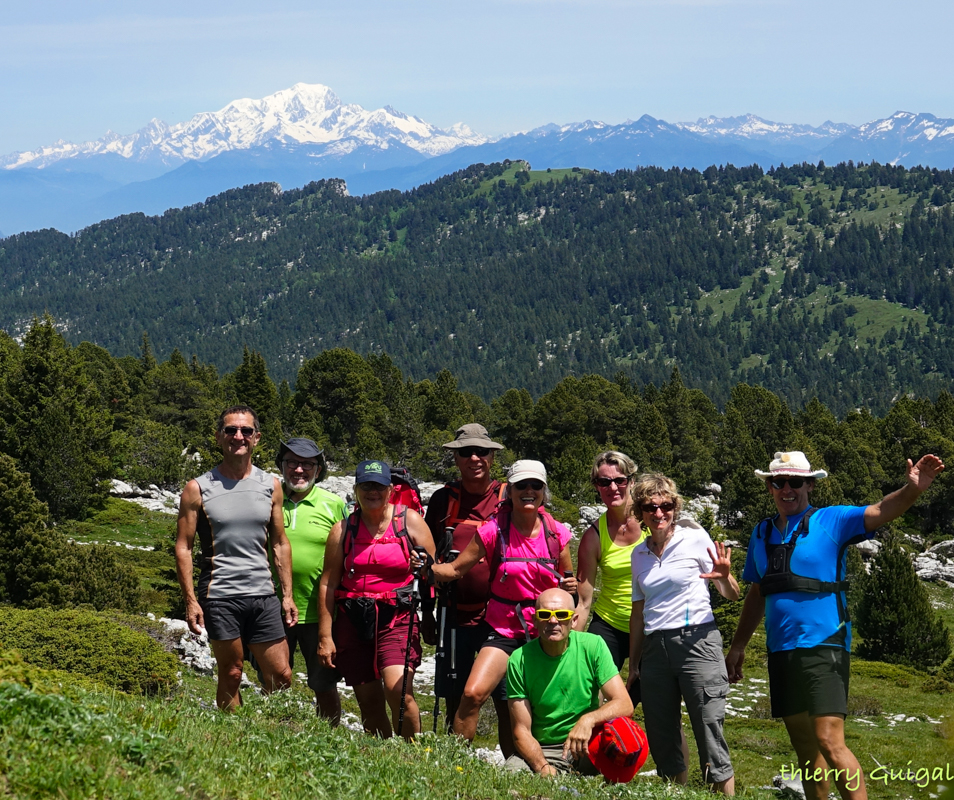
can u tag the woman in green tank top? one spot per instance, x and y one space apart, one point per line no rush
607 545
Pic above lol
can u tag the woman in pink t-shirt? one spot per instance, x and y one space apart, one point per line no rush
364 627
529 557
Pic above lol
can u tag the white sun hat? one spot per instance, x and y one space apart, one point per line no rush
792 462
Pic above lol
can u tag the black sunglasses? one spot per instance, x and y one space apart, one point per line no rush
535 485
795 483
605 483
651 508
231 430
470 452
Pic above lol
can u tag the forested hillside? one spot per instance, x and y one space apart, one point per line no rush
811 281
73 417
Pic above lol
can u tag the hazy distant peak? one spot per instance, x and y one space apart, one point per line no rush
907 126
750 126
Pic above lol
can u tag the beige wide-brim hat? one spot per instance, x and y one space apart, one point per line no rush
793 462
473 435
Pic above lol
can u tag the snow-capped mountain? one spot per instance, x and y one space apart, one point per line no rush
907 126
755 129
304 114
306 133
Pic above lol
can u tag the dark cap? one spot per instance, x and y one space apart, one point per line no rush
303 448
473 435
373 472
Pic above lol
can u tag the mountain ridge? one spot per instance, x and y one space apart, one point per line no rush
306 133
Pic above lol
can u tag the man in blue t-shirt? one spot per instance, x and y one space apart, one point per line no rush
796 566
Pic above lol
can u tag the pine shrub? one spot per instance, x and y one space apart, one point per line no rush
895 618
90 644
40 568
15 669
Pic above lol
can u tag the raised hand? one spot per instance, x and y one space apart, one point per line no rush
721 562
922 474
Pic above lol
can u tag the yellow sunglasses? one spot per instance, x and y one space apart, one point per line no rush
562 614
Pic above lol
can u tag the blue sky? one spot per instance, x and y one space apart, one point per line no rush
72 70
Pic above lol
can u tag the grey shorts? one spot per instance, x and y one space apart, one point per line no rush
254 620
553 753
686 664
305 636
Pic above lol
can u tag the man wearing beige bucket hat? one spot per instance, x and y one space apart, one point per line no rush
796 567
454 514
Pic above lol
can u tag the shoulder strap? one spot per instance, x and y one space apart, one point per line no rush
502 518
551 563
553 541
802 528
350 534
399 523
453 503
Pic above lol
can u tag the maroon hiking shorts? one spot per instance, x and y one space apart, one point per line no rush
356 658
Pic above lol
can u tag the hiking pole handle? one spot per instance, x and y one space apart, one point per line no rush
426 561
576 595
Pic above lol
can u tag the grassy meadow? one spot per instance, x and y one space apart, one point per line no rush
61 740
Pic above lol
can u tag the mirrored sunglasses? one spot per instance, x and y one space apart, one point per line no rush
562 614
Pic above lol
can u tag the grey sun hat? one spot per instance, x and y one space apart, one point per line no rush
793 462
473 435
303 448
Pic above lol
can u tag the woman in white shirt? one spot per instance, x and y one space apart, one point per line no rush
673 632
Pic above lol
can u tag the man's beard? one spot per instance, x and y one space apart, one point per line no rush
305 488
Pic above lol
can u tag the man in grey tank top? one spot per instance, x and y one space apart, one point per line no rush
236 511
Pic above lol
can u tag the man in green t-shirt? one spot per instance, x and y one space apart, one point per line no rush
310 512
553 688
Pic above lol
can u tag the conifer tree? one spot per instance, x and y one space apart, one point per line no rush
895 618
60 437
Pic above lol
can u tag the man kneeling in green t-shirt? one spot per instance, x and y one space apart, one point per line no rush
553 688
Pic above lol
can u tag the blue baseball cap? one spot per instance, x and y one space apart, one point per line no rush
373 472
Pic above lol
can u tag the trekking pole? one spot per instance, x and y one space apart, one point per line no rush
415 597
452 611
441 655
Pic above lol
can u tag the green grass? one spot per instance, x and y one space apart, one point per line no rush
119 747
942 598
96 745
100 745
536 176
123 523
555 175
